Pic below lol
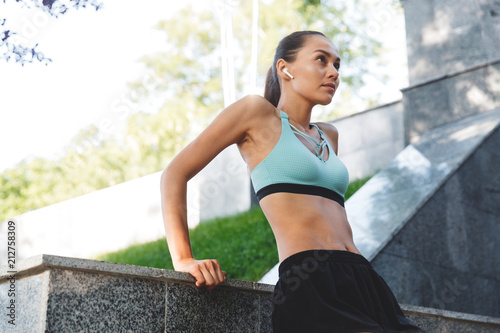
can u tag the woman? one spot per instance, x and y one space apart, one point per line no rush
325 284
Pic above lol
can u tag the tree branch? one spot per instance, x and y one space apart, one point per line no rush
12 48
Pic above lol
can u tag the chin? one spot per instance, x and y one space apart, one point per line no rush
325 101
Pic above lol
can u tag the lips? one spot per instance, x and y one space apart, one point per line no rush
330 85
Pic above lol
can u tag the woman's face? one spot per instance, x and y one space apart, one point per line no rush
316 70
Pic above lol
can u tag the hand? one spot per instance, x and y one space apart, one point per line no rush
206 272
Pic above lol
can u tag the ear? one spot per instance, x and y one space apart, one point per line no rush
280 66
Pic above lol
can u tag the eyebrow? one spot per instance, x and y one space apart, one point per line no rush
327 54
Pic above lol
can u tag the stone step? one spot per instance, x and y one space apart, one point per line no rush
61 294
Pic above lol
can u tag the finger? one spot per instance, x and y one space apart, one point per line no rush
213 267
198 275
218 271
209 276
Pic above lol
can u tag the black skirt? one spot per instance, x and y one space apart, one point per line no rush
334 291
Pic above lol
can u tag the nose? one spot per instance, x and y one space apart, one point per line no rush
333 72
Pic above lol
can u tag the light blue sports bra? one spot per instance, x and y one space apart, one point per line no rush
291 167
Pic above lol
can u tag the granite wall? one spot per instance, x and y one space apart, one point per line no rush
453 49
450 98
58 294
446 255
449 36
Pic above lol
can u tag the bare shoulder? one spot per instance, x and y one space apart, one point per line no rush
242 115
251 112
255 105
332 135
232 125
331 131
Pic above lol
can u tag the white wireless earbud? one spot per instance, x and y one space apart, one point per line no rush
286 72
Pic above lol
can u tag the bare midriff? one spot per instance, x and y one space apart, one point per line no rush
302 222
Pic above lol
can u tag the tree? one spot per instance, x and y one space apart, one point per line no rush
194 41
13 46
347 31
188 81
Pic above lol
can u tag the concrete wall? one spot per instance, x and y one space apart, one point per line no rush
450 98
449 36
446 255
102 221
125 214
369 140
453 52
223 186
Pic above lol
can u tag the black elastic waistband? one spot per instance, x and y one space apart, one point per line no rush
337 256
300 189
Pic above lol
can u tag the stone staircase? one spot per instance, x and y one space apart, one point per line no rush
60 294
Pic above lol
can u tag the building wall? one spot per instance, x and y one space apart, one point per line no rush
451 97
453 52
446 255
369 140
91 224
448 36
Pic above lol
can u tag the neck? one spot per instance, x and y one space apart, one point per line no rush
298 111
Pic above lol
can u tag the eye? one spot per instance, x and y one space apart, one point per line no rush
321 58
337 66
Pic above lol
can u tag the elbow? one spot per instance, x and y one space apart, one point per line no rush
171 176
164 177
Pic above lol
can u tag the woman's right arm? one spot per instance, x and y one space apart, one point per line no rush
230 126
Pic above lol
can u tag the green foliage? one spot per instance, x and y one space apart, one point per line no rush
19 189
244 244
188 75
336 21
191 68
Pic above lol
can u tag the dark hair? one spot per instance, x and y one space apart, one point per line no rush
287 50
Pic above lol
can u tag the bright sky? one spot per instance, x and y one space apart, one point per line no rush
94 55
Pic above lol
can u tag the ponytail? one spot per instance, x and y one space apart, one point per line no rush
272 91
287 50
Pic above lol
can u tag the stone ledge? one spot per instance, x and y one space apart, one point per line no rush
449 315
58 294
43 262
450 75
61 294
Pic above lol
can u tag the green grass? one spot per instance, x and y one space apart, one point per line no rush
243 244
354 186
